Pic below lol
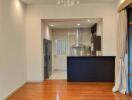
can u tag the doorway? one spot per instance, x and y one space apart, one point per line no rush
67 35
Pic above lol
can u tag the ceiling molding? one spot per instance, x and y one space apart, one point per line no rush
71 23
53 2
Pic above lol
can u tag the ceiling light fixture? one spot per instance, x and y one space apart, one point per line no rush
68 3
88 20
78 24
52 25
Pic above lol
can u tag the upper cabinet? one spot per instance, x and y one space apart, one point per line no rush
96 43
97 29
94 29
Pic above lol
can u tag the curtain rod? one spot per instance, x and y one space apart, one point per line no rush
124 5
130 6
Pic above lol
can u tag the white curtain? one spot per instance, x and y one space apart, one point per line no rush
121 67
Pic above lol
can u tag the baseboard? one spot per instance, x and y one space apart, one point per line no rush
60 69
34 82
15 91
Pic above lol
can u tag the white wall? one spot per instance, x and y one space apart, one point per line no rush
12 46
107 11
99 28
71 35
45 31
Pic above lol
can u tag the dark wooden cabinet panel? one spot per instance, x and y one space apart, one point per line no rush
94 28
91 69
97 43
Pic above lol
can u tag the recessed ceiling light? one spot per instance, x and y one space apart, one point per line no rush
78 24
52 25
88 20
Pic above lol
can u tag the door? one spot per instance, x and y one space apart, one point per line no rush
60 52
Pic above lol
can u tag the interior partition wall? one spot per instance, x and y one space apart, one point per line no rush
130 47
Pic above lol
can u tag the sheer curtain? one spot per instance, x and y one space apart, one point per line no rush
121 67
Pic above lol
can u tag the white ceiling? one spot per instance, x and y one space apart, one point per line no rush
48 2
72 23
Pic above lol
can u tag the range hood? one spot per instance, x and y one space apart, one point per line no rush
78 41
78 49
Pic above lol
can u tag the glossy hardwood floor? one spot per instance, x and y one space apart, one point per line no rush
63 90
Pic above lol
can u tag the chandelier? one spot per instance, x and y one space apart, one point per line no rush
68 3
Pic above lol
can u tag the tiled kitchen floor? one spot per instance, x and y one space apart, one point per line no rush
60 74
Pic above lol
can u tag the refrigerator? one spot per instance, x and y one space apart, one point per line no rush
47 51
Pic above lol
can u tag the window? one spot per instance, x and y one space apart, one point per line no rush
61 46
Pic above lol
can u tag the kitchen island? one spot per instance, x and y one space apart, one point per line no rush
90 68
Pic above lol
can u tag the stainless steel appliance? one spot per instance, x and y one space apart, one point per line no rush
78 49
47 48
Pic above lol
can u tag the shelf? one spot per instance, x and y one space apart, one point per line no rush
130 23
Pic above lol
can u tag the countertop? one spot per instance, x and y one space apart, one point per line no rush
90 56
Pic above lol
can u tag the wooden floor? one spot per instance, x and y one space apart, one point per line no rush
62 90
